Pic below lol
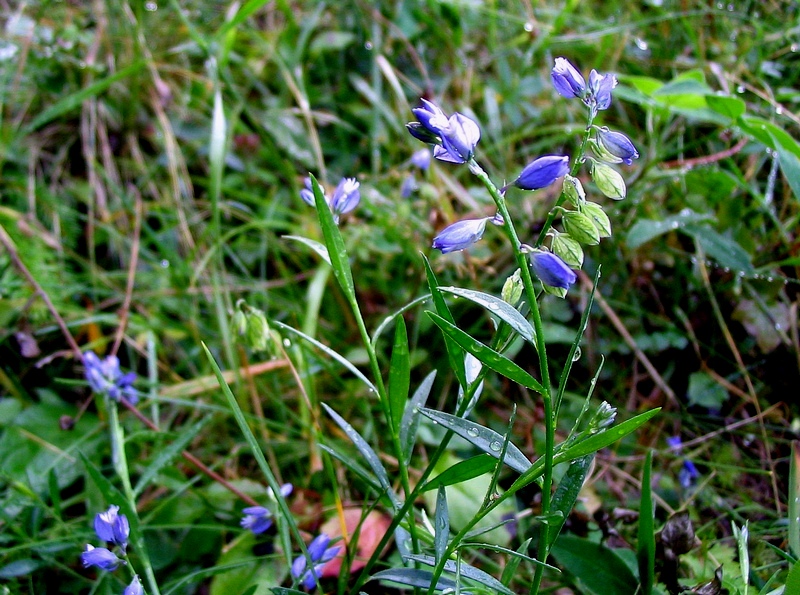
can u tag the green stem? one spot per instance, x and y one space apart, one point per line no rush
121 467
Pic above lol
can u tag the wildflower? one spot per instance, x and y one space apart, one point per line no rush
688 473
421 159
461 234
105 377
101 557
258 518
600 87
455 137
542 172
567 80
320 555
551 270
135 588
113 527
345 198
617 144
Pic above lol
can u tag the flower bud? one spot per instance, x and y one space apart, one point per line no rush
581 228
251 324
617 144
551 270
567 80
542 172
573 189
568 249
598 216
600 87
609 181
460 235
512 289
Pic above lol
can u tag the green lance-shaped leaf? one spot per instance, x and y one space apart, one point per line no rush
399 374
486 355
462 471
410 421
465 570
441 524
320 249
482 437
567 493
413 577
600 570
499 308
366 451
646 546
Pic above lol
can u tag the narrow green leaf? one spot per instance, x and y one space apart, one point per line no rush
454 353
166 455
328 351
441 524
510 569
794 499
726 251
730 107
462 471
790 166
503 310
75 100
55 492
366 451
413 577
334 242
241 15
411 419
600 440
793 580
646 547
390 318
320 249
482 437
286 591
465 570
399 374
360 471
567 492
600 570
486 355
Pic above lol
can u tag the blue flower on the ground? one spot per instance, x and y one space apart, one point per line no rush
135 588
105 377
542 172
101 557
688 474
455 137
258 518
345 197
551 270
112 527
320 555
461 234
619 145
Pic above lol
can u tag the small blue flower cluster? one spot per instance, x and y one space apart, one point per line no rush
105 377
688 474
320 555
345 197
111 527
258 518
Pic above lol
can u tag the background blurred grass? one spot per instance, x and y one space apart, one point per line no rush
107 194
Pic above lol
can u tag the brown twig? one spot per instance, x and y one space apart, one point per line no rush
687 164
126 304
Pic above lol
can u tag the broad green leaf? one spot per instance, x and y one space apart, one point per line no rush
465 570
705 391
730 107
262 573
329 352
646 537
366 451
793 580
482 437
399 375
769 134
454 352
331 41
411 419
462 471
441 524
487 356
20 568
165 455
645 230
645 84
726 251
503 310
598 569
334 242
789 163
567 492
315 246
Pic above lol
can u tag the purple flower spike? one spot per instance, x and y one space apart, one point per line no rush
567 79
257 519
542 172
101 557
135 588
460 235
600 87
113 527
320 555
459 139
617 144
105 377
551 270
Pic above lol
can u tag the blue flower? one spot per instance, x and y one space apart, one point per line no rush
113 527
135 588
258 518
421 159
101 557
105 377
455 137
600 87
688 474
461 234
542 172
616 143
345 198
551 270
567 79
320 555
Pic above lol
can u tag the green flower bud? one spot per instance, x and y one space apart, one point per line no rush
609 181
573 190
581 228
598 216
602 153
512 289
556 291
568 249
251 324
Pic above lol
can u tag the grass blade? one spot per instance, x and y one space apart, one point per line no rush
646 549
441 524
399 374
499 308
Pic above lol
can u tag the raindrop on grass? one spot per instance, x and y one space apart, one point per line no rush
472 432
495 446
577 355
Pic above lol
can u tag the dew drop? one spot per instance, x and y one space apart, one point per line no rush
730 7
779 110
494 307
793 47
496 446
287 343
368 45
151 6
577 355
164 264
641 44
528 27
740 89
472 432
